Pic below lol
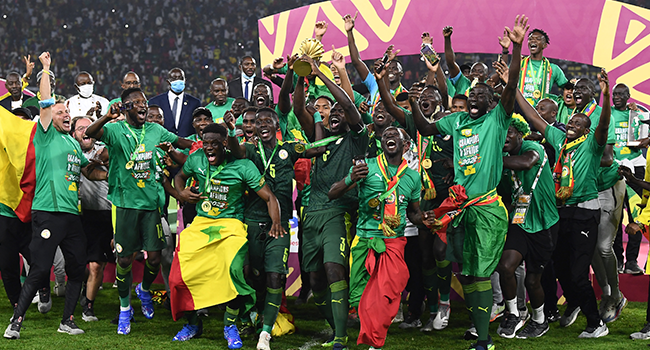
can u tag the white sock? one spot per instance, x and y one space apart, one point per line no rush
538 314
122 308
511 306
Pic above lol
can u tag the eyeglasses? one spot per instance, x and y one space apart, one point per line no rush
132 83
81 128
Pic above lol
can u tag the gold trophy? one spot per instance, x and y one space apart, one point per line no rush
312 48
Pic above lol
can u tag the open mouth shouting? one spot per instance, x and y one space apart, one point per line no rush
577 96
335 122
260 101
473 108
391 146
212 156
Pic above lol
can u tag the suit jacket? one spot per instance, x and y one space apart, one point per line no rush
6 102
235 86
189 104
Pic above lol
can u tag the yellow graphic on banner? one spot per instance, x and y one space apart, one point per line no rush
384 31
610 24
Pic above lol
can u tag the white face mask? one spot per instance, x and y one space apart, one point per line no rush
86 91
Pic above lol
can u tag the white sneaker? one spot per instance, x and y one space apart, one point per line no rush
429 326
399 318
442 318
643 334
263 343
44 301
497 311
595 332
59 289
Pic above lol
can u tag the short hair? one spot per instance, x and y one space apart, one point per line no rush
327 98
219 79
459 97
622 85
402 96
73 123
23 111
537 30
401 135
201 111
590 84
584 116
126 93
249 109
215 129
13 73
488 87
268 89
269 110
487 70
241 61
83 72
399 64
568 85
434 88
159 109
465 66
246 102
40 74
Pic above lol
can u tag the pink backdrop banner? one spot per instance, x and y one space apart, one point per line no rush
602 33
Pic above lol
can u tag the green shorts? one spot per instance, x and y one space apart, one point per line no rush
477 242
137 230
267 254
324 239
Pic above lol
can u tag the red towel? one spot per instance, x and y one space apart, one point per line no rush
381 297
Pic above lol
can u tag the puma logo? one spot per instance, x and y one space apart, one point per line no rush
586 234
274 305
338 301
202 171
483 309
119 279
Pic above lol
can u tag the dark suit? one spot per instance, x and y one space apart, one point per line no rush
188 105
236 86
6 102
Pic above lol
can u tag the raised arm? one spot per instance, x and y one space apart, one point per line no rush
603 124
351 111
424 127
339 62
96 129
386 97
525 161
358 64
238 150
305 118
320 28
517 36
45 90
450 57
284 98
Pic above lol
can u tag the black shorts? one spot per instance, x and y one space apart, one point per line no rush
98 227
536 248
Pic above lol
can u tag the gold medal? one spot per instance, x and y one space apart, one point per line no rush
206 206
373 202
427 163
129 165
299 147
537 94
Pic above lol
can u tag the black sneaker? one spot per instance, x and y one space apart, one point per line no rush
570 315
533 330
88 313
410 322
471 333
13 330
509 326
68 326
552 316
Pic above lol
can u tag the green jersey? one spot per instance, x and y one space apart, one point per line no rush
197 144
289 125
278 173
408 191
564 112
536 78
331 167
586 164
113 101
542 213
620 120
607 176
478 148
7 212
59 160
460 83
228 184
219 111
137 187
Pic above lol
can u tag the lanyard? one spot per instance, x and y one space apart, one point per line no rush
137 141
539 173
263 154
208 177
324 142
383 168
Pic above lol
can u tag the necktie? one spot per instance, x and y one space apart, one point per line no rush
174 109
246 89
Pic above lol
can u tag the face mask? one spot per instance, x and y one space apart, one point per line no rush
86 91
178 86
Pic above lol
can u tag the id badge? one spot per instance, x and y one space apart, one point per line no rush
521 209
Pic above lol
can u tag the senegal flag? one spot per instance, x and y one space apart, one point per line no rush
17 164
208 268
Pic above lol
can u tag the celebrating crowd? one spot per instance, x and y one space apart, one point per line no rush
482 168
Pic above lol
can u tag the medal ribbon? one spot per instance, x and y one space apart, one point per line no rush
545 71
391 218
424 148
137 141
208 177
563 171
324 142
263 154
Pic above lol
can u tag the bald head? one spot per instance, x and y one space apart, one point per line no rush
219 91
130 80
547 109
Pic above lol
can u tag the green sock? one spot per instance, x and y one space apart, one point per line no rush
483 308
124 279
230 316
323 303
271 308
192 317
469 290
430 281
149 275
340 294
444 279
